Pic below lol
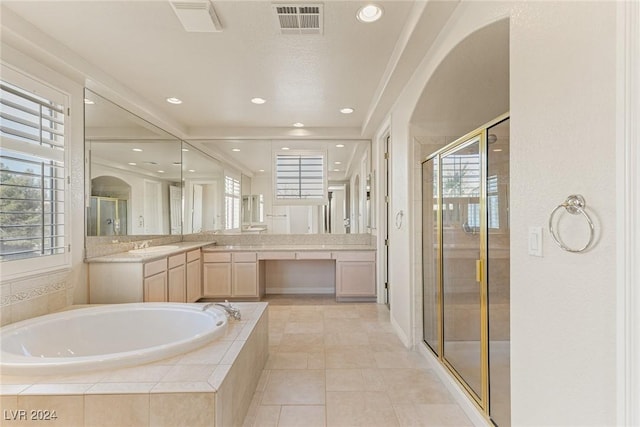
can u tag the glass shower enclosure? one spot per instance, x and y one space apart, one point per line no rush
465 248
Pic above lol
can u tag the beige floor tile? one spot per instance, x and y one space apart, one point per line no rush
298 315
400 359
418 386
354 408
301 342
296 360
349 357
336 339
347 311
304 328
295 387
304 415
345 380
432 415
354 326
317 360
267 416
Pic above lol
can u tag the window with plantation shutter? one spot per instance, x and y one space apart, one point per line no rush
32 176
300 178
232 202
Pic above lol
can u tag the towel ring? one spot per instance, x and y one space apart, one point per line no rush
574 204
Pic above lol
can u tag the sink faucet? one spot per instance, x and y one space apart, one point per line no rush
228 308
142 245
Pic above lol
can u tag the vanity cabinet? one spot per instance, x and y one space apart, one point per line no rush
216 274
175 278
355 275
155 281
231 275
194 276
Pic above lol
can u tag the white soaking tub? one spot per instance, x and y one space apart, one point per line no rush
106 337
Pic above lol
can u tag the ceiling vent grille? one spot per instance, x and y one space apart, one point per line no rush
299 19
197 16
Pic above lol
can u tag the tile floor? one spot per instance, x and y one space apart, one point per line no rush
342 365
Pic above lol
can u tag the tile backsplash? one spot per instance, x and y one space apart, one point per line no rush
33 296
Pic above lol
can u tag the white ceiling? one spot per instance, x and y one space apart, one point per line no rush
304 78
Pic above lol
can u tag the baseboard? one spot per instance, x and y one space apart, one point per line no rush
398 330
305 290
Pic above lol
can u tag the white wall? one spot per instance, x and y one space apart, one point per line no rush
563 132
563 128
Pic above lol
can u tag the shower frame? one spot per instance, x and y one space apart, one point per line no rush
481 400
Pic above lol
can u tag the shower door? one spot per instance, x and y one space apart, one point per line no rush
461 259
465 250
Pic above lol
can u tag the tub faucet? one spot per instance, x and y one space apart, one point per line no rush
230 310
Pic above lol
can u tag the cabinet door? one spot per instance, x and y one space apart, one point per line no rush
194 281
177 290
245 279
356 278
155 288
217 279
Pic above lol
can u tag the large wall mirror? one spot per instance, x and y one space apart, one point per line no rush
135 173
347 204
144 181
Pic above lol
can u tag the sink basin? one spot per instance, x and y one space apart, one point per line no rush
153 249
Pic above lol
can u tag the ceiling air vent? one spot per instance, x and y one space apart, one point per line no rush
299 19
197 16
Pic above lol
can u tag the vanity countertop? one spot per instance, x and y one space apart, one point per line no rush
287 248
129 257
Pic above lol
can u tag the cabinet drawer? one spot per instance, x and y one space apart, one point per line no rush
313 255
217 257
176 260
155 267
245 257
355 256
276 255
193 255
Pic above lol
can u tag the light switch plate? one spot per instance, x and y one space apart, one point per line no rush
535 241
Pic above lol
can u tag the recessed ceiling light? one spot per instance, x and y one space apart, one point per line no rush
340 145
192 170
185 149
258 101
336 170
347 110
260 170
369 13
497 150
235 149
337 163
298 125
160 171
177 163
285 148
132 164
87 101
173 100
137 149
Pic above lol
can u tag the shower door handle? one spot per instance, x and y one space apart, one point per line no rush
479 270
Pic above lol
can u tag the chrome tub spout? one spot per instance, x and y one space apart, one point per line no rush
228 308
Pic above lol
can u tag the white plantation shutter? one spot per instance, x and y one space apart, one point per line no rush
301 178
33 176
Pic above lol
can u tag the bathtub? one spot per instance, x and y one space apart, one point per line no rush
106 337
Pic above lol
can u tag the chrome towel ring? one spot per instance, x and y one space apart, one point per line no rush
574 204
